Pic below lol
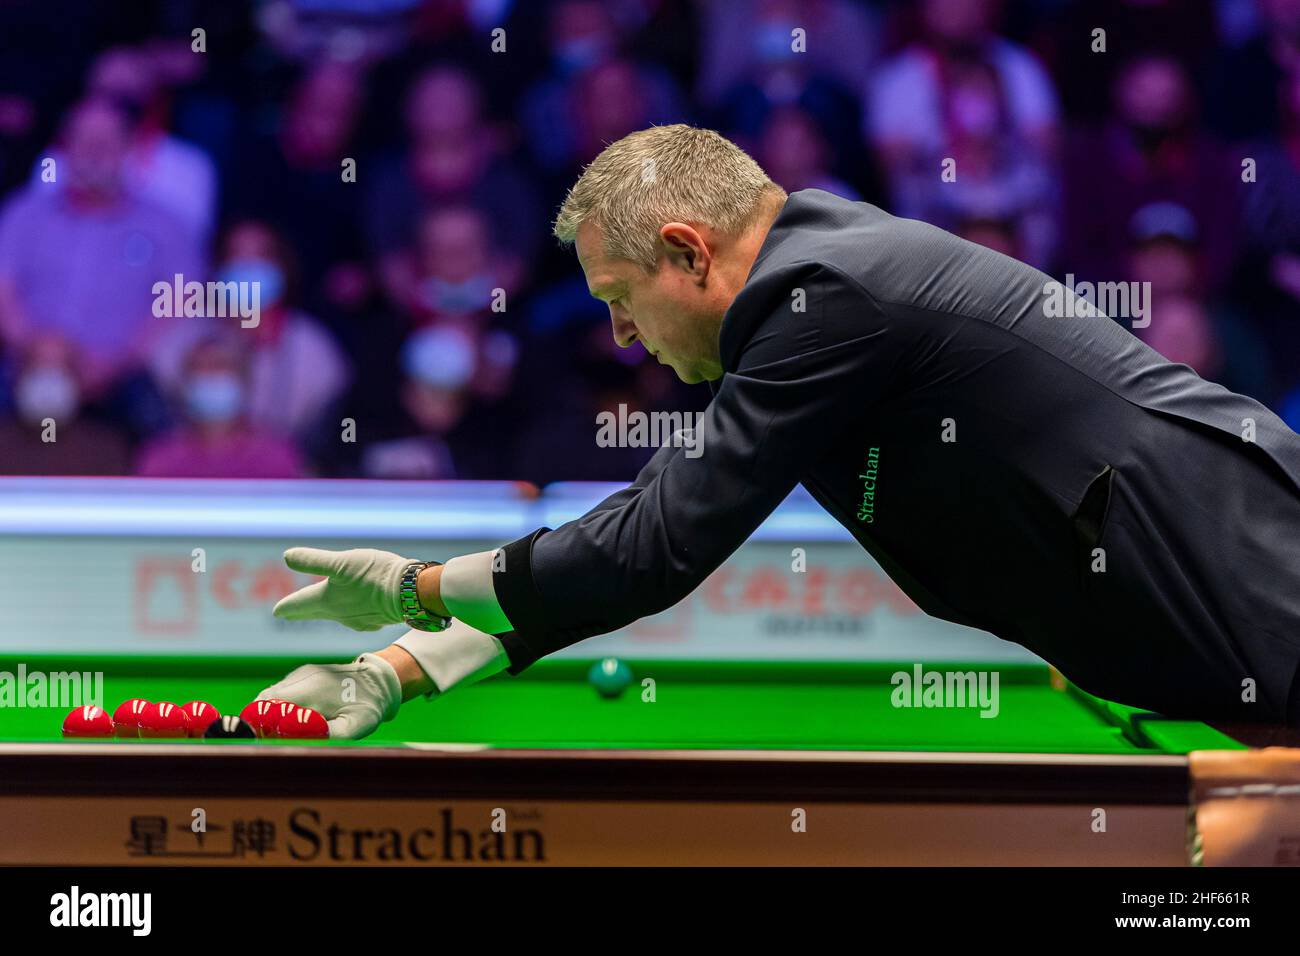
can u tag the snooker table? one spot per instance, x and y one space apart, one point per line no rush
735 762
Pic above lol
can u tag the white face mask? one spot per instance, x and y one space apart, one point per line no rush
46 392
214 396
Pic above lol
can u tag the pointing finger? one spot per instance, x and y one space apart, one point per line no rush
312 560
305 604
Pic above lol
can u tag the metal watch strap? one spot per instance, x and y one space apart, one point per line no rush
413 612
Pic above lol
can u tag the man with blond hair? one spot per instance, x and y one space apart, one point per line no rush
1032 470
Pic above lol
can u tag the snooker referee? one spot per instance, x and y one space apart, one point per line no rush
1051 480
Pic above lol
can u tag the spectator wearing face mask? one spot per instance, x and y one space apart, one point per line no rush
443 419
594 89
217 439
453 269
437 368
296 370
747 43
458 273
48 434
821 79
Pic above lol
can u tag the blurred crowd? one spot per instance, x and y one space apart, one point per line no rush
417 321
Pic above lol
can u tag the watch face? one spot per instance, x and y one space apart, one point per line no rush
429 623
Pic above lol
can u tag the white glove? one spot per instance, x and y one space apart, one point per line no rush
361 590
355 698
456 657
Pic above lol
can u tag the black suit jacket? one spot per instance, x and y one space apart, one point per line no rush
1051 480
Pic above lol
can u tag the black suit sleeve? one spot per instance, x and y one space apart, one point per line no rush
648 546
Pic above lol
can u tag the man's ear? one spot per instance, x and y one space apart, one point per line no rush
686 248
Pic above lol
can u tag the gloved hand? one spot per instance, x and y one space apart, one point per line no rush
361 592
355 698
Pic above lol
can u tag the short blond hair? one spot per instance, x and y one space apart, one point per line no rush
664 174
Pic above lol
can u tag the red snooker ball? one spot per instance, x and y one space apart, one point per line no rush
303 724
261 715
88 721
126 719
163 720
280 710
199 715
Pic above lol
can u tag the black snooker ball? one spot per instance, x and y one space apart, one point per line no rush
230 727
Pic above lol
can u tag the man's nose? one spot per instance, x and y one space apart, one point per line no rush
624 329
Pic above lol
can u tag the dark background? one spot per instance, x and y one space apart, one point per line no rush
1113 166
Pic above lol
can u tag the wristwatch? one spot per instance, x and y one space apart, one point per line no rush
413 612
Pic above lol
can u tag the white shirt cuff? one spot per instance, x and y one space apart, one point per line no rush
466 588
459 655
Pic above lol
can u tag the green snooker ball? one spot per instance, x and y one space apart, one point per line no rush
610 677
